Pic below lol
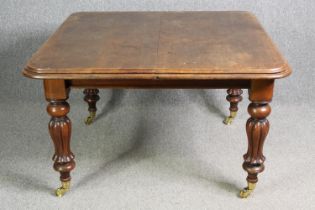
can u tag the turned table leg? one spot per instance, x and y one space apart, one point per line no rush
91 97
60 131
257 128
234 97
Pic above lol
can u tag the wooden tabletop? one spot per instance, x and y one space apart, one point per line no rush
210 45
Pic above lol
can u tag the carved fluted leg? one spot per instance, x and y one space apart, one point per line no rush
257 128
91 97
60 132
234 97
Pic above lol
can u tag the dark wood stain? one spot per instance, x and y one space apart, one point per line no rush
159 50
100 45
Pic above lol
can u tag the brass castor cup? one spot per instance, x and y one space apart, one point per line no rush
234 97
65 187
91 97
90 119
244 193
228 120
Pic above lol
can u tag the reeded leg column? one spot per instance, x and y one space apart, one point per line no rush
60 131
91 97
257 128
234 97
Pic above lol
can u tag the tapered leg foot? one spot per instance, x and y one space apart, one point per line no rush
60 132
234 97
65 187
244 193
91 97
257 128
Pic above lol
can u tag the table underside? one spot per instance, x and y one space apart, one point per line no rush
160 84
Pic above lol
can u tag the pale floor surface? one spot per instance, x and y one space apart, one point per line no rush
162 150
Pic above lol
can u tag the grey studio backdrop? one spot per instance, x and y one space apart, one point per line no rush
156 149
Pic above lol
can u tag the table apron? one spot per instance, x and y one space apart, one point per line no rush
147 84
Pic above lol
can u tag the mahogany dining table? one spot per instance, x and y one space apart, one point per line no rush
205 49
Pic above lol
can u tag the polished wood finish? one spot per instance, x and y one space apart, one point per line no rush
257 127
234 97
56 89
261 90
94 50
131 83
56 92
60 132
91 97
167 45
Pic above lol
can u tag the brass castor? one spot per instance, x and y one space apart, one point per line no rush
244 193
65 187
90 119
228 120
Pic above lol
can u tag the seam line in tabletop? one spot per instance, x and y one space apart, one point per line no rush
158 44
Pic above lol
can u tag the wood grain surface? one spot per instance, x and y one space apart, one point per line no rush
142 45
